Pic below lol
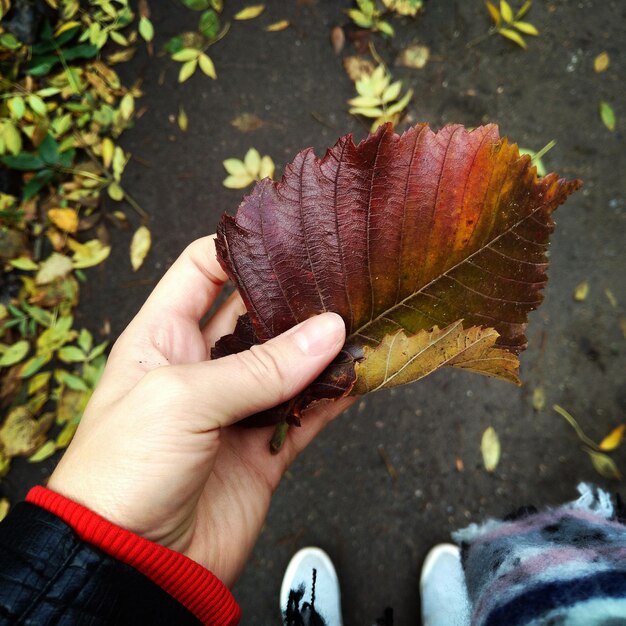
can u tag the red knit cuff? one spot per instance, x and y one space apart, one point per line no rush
197 589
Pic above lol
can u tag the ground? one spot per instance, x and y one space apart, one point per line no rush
339 494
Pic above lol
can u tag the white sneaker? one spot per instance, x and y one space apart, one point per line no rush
443 590
310 590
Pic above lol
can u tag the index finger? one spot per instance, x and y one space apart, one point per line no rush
190 286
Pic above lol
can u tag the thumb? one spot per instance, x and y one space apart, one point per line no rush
240 385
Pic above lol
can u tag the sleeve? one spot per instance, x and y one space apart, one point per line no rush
64 564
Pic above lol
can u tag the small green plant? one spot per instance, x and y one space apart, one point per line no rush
368 15
189 48
379 98
508 24
404 7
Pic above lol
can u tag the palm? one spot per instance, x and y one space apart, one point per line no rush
214 485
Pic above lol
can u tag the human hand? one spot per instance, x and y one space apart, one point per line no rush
156 452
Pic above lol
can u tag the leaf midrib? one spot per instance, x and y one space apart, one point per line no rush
391 310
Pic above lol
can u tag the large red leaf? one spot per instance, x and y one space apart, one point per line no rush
431 246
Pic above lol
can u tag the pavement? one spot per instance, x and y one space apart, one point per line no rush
402 469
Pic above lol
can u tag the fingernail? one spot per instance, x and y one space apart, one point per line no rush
321 334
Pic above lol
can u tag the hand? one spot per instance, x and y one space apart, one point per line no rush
156 452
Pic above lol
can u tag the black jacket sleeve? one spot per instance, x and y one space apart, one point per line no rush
48 576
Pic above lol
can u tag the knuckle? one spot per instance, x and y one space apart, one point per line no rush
264 367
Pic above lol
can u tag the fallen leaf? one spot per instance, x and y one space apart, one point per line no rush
71 354
247 122
277 26
186 70
14 353
494 12
66 435
414 56
411 240
610 296
65 219
490 449
539 398
5 505
601 62
357 67
24 263
250 12
55 266
21 434
404 7
513 36
43 453
183 122
603 464
581 292
146 29
613 439
607 115
88 254
243 173
337 39
139 247
207 66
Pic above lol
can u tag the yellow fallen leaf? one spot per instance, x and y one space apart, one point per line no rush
65 219
43 453
267 167
139 247
357 67
21 434
601 62
581 292
237 182
108 149
88 254
250 12
539 398
10 355
276 26
490 449
5 505
55 266
252 161
604 464
183 121
613 439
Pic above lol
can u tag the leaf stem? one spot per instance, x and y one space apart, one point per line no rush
544 150
492 31
279 436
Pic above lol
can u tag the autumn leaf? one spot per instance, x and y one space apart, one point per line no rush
426 240
601 62
607 115
65 219
277 26
21 434
613 439
139 247
250 12
490 449
243 173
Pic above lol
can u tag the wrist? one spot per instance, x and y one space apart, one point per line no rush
192 585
